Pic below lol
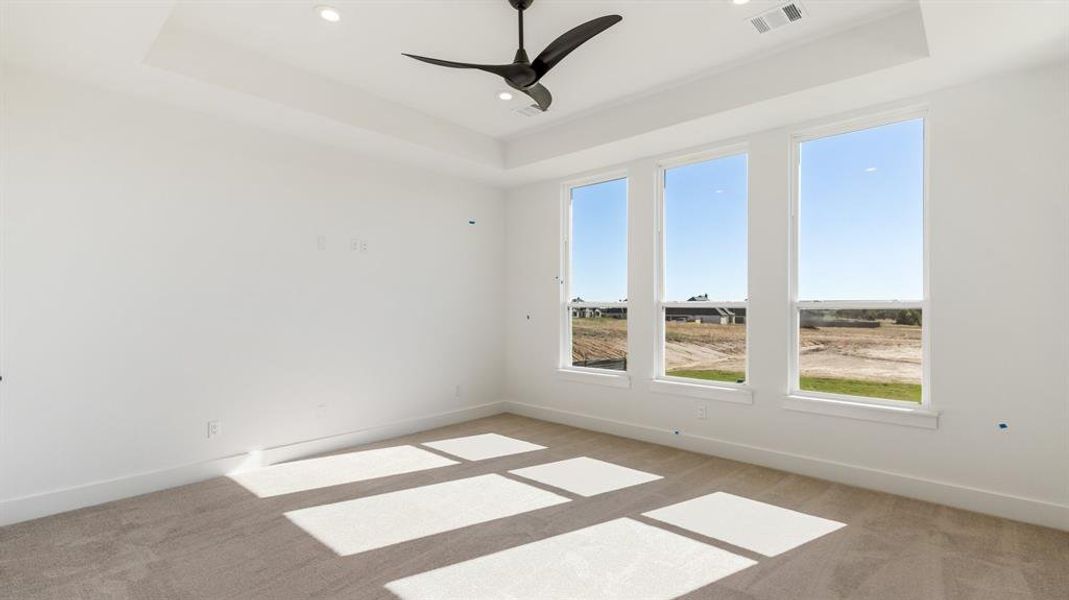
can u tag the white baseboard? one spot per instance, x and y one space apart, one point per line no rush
16 510
983 501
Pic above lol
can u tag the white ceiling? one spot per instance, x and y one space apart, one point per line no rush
672 74
657 43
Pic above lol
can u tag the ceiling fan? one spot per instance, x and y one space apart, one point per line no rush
524 74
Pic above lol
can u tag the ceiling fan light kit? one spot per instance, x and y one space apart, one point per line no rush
523 74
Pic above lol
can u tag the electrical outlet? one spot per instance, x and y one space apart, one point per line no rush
321 242
358 245
703 411
214 429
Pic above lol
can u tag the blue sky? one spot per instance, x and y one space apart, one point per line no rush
861 215
861 222
705 230
599 241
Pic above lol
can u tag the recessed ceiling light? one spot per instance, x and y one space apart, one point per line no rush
329 13
504 95
720 191
870 170
740 2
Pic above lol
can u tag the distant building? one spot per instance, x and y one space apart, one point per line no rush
700 314
594 312
585 312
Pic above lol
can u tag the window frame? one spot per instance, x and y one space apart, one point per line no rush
842 404
662 382
565 368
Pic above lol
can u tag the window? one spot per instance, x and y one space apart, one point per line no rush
594 320
859 265
703 291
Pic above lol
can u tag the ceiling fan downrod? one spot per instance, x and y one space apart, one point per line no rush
521 53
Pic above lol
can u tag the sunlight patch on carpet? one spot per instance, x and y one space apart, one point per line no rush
373 522
483 446
617 559
337 469
585 476
763 528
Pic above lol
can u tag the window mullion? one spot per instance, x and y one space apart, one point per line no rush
858 304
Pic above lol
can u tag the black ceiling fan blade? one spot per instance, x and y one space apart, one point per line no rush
500 70
540 95
570 40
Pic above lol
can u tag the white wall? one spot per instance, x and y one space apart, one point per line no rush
999 212
160 270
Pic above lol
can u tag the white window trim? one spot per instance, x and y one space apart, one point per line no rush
849 407
859 407
697 388
565 369
726 391
618 379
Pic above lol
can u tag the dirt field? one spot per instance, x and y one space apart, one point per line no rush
888 353
598 339
701 346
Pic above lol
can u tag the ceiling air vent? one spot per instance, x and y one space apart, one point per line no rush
531 110
777 17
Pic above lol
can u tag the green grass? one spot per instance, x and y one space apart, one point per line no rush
711 375
910 392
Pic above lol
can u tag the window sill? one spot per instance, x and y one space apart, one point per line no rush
738 395
905 415
620 380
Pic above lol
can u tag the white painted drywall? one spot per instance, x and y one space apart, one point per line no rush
161 269
999 212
